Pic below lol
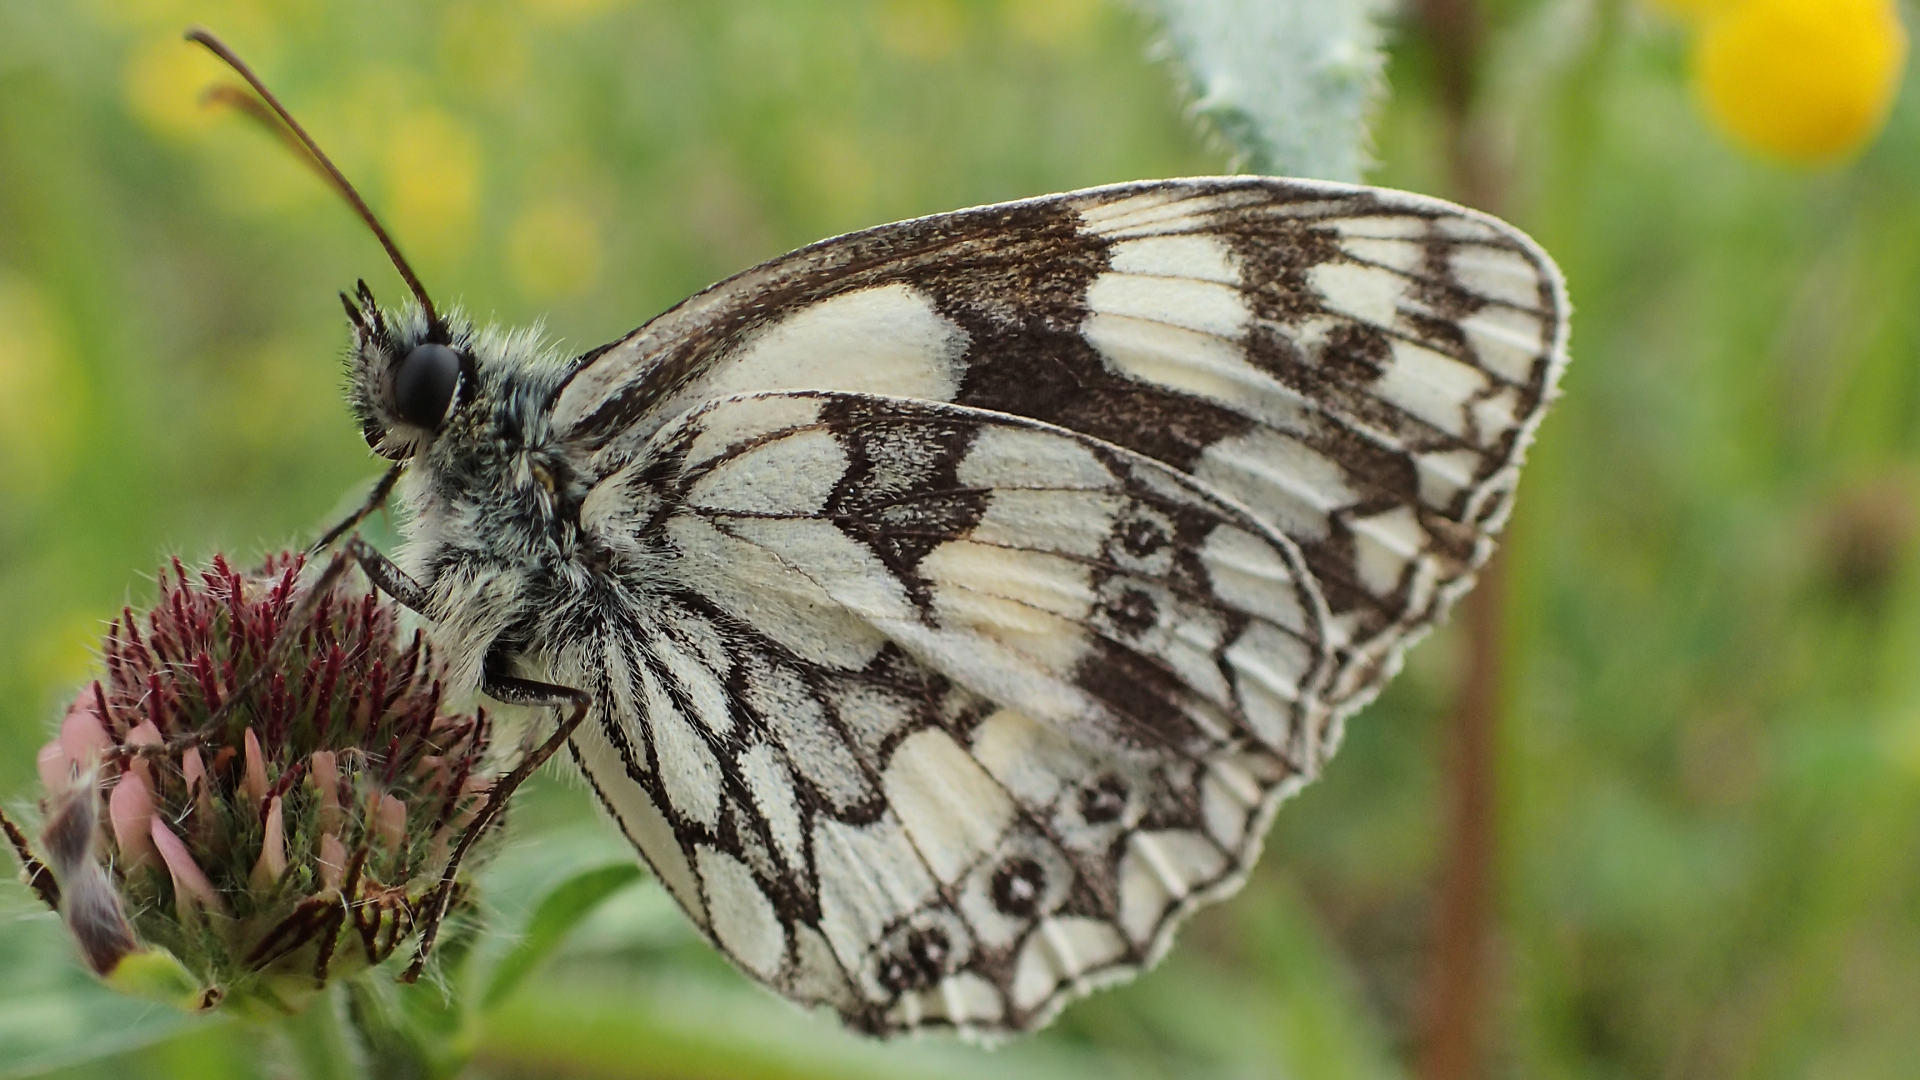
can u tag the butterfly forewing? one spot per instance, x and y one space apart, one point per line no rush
958 598
1359 369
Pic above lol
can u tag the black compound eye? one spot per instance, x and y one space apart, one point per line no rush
424 384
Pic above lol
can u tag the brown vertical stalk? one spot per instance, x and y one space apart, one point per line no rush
1453 1044
1458 976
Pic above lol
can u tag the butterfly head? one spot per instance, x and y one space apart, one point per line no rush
409 373
407 370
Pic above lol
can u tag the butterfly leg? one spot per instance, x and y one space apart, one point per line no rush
301 614
375 500
387 577
512 690
379 569
498 685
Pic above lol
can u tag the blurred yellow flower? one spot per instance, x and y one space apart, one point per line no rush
1052 23
1692 8
555 250
569 8
164 80
1803 80
922 29
40 392
485 47
63 648
835 168
1900 739
433 179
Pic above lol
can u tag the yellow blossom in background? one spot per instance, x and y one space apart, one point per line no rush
835 167
484 47
433 180
164 79
1801 80
1692 8
922 29
61 650
570 9
40 392
555 249
1052 23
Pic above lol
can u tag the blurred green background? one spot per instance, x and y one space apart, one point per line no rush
1709 771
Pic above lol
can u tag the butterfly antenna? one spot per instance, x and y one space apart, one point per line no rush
249 105
219 48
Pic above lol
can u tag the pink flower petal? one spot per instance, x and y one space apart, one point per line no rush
195 772
193 767
390 822
273 848
146 735
333 861
82 734
326 777
188 879
130 808
256 781
56 768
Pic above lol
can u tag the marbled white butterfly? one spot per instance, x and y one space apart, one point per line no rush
943 609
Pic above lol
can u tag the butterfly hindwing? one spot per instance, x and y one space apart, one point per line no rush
1359 369
939 715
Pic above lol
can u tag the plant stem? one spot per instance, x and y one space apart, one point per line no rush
1463 924
1453 1044
320 1043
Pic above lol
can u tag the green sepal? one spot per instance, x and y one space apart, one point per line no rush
157 975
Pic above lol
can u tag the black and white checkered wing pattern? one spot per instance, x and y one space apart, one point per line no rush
1003 568
1360 369
943 714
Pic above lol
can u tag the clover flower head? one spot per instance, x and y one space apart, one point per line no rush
262 792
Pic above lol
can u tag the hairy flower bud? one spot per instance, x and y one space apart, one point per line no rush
262 792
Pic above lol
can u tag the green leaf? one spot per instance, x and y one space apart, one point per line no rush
155 974
408 1030
53 1013
1288 84
320 1042
680 1025
1318 1014
559 912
